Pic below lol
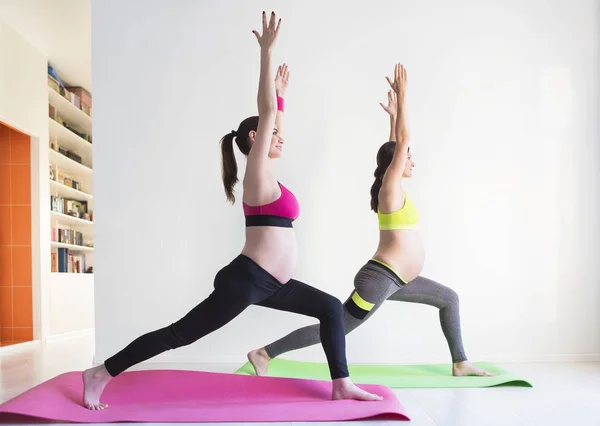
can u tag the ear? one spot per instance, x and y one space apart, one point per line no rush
252 135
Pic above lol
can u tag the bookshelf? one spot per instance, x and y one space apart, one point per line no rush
71 203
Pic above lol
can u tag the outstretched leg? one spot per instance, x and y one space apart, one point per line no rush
425 291
233 293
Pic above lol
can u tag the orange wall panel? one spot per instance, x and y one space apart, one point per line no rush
16 307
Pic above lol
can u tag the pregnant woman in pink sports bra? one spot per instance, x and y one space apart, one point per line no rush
262 273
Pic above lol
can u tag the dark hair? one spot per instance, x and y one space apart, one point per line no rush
384 158
242 139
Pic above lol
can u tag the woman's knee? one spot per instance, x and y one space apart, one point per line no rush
331 306
451 297
442 295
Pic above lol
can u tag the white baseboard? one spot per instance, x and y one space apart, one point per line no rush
19 347
70 335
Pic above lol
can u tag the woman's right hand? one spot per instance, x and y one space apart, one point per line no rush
400 80
281 80
270 32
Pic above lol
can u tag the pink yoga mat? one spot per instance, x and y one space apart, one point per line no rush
195 396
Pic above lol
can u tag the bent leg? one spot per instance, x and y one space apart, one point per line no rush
371 288
425 291
300 298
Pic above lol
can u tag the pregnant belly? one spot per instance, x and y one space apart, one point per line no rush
403 250
274 249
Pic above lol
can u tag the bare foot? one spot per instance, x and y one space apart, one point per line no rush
465 368
94 381
345 389
260 361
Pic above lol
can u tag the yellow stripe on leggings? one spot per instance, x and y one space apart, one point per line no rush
362 303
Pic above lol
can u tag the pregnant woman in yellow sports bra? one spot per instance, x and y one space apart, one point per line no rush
393 273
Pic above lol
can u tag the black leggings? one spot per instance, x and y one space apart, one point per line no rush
238 285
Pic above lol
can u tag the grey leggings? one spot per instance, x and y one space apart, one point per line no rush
374 284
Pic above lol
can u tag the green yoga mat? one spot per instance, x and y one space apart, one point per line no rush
393 376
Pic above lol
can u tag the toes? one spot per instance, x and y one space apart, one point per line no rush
373 397
95 407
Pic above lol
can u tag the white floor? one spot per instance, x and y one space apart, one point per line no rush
563 394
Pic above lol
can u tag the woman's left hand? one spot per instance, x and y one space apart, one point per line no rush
281 80
392 107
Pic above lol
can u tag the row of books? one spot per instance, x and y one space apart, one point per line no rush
57 175
77 95
69 207
67 236
65 261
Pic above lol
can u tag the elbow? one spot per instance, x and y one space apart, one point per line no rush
402 139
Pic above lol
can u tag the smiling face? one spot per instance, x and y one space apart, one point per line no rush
385 156
409 166
276 147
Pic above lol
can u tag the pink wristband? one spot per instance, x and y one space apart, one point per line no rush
279 103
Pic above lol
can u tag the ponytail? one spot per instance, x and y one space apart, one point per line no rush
376 187
384 158
230 169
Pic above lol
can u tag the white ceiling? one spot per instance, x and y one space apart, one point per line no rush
60 29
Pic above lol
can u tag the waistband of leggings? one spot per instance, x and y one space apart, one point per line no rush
388 270
254 269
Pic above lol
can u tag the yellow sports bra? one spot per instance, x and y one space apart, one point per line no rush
405 218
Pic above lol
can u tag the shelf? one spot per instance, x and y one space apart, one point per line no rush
69 112
69 193
70 247
80 172
77 274
71 141
65 218
68 165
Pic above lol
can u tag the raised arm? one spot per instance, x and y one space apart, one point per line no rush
267 105
392 110
281 81
393 174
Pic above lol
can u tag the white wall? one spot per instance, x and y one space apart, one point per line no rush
503 109
42 24
24 106
62 303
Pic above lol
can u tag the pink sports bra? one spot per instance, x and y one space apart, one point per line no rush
281 212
